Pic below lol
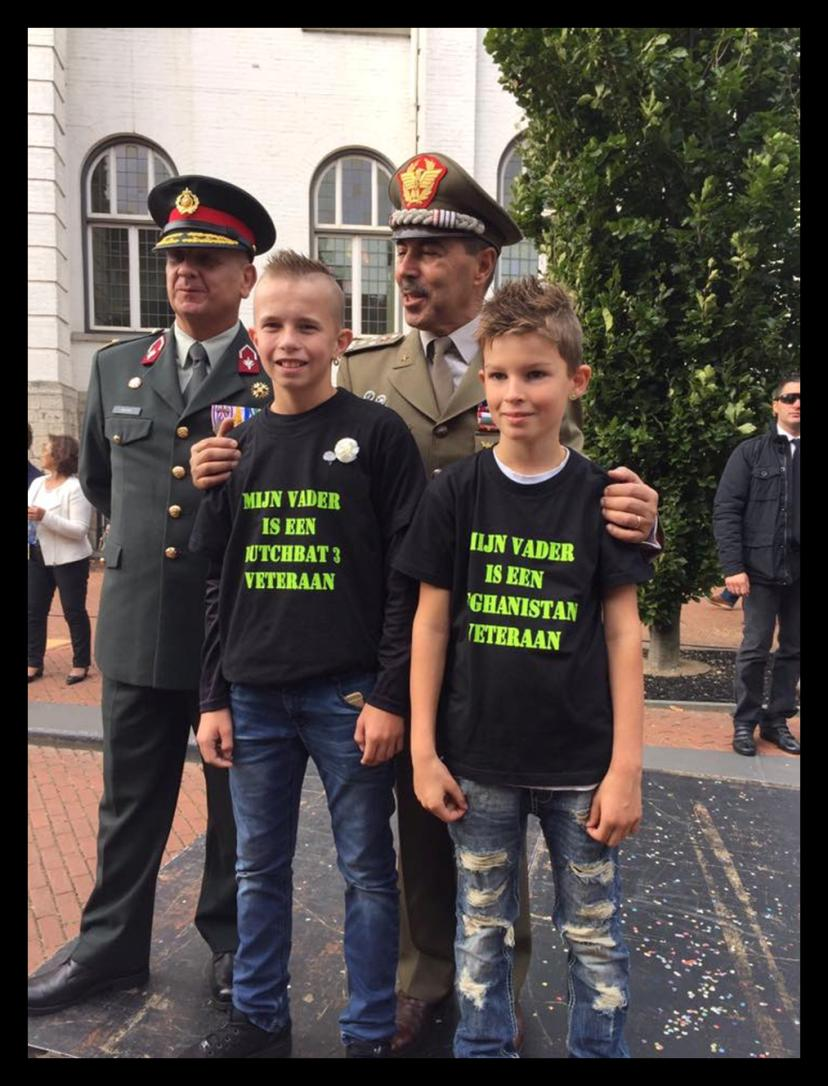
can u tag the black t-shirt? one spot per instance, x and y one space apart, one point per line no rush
526 697
305 529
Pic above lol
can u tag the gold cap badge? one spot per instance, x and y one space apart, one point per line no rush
187 202
418 184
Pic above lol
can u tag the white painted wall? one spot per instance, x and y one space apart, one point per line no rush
261 107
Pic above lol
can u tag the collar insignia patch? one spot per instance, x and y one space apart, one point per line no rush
248 360
154 351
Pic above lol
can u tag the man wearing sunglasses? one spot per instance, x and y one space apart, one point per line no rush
756 523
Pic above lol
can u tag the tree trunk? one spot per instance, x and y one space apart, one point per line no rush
665 643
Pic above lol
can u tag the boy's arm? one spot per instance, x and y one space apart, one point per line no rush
434 786
380 727
396 484
210 534
215 727
616 805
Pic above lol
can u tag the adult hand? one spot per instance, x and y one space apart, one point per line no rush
213 458
630 507
738 584
36 513
379 735
215 738
437 790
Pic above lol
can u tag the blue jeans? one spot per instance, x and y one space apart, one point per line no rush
275 729
487 842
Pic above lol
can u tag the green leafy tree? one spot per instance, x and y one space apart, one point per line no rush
662 184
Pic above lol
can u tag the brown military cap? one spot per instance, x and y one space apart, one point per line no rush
205 213
435 197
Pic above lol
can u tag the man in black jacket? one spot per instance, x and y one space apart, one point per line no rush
756 522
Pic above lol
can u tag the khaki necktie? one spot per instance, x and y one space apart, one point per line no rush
197 358
441 376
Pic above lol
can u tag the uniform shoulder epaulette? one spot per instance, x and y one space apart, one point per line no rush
131 339
370 343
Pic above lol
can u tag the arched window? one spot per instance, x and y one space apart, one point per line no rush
520 259
349 211
124 277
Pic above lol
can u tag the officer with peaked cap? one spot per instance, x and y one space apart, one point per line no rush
449 233
149 399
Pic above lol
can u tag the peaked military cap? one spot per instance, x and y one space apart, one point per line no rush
435 197
206 213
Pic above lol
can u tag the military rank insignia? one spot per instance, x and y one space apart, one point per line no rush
484 419
249 360
221 411
154 351
419 183
187 203
260 390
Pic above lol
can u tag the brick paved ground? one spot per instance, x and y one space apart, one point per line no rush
65 784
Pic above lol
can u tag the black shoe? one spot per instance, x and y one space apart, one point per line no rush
368 1050
71 983
72 679
780 736
239 1039
743 740
221 977
36 674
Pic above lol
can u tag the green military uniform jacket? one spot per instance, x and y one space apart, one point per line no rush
134 468
397 369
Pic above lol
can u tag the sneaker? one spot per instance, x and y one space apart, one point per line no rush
368 1050
239 1039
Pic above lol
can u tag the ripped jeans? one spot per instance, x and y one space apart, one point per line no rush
487 843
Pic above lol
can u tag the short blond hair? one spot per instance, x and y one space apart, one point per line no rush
288 264
528 305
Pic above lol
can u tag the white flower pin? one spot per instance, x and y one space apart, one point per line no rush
345 451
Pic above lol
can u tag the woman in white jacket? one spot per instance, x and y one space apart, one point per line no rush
60 557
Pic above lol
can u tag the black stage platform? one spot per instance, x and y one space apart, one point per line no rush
711 916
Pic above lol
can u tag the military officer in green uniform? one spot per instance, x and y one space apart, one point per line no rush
449 233
149 400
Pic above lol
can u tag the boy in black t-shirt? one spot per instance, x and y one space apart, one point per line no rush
306 654
528 620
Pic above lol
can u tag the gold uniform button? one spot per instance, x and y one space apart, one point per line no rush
171 552
174 511
436 472
179 472
182 431
116 440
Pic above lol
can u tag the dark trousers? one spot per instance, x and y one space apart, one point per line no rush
70 579
428 899
762 607
145 744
